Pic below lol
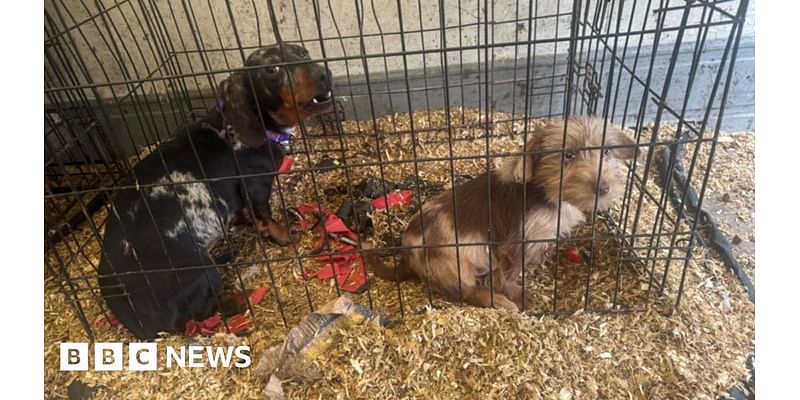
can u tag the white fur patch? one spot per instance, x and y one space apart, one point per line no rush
160 191
510 169
176 230
196 202
237 145
541 225
477 255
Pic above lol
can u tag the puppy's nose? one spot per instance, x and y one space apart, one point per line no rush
602 188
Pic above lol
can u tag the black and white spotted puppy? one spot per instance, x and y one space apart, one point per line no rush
160 230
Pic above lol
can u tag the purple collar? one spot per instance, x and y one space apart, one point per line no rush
284 137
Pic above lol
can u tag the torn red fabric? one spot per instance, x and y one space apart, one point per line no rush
333 258
212 325
308 208
334 224
573 255
258 295
211 322
392 199
350 275
111 321
207 331
356 280
347 268
238 324
192 328
286 164
207 326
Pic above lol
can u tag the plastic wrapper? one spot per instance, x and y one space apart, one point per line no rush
293 360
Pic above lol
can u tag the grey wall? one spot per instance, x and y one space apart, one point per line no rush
114 46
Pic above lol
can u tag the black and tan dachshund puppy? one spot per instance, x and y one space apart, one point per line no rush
160 230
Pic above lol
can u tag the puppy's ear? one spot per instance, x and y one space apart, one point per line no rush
520 169
617 137
239 110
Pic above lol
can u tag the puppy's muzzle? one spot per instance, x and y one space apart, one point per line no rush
323 100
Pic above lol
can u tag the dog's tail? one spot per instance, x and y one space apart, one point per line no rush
379 262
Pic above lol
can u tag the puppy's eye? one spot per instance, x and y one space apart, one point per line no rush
569 155
606 153
273 69
305 56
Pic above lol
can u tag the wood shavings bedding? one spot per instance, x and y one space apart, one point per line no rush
698 352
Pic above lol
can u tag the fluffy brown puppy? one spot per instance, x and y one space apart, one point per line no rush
538 175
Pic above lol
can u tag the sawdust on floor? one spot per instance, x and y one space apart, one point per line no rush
451 350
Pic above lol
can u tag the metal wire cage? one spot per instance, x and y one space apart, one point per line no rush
123 76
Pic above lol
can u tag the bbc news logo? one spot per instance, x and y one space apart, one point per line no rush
144 356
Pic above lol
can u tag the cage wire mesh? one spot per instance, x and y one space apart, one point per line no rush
427 95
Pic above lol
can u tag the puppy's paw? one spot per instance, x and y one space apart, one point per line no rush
502 302
275 232
529 302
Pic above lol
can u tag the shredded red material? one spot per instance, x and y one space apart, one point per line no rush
348 269
338 256
111 321
239 323
192 328
286 164
236 324
573 255
392 199
258 295
308 208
